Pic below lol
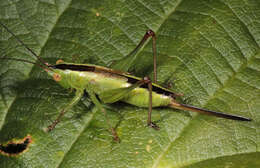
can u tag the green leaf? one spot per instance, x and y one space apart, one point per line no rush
208 50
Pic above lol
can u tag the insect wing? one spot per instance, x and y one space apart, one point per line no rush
114 95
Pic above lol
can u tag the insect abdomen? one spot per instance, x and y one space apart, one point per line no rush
140 97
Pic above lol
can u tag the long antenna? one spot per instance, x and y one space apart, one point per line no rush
23 60
23 44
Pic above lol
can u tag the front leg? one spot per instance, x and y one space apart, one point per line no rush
74 101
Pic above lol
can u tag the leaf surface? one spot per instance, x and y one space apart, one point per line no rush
207 50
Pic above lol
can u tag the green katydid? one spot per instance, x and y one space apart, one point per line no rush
112 85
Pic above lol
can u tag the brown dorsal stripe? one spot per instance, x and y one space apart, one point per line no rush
131 80
74 67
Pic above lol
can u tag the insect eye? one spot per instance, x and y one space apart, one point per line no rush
59 61
56 77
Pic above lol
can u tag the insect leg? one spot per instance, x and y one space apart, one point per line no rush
101 108
75 100
149 120
125 63
154 58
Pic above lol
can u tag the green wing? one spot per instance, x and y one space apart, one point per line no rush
114 95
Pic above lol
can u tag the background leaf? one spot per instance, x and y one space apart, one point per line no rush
208 50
